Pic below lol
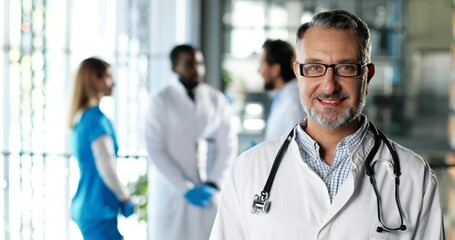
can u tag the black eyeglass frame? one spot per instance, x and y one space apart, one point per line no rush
359 68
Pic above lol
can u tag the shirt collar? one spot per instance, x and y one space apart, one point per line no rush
311 147
182 88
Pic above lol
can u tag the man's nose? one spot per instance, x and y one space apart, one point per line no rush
330 79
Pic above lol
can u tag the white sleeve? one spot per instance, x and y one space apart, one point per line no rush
105 161
431 223
229 223
226 148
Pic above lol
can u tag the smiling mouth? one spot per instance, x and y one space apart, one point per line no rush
331 102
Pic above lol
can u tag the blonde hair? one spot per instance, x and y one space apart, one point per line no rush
83 95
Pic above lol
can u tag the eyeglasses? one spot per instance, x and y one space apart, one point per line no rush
342 69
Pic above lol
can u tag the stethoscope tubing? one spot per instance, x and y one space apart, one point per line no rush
277 162
261 203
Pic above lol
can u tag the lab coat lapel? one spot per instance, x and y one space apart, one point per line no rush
194 112
183 93
347 189
340 200
201 110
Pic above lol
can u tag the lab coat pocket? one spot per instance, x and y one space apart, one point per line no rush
384 236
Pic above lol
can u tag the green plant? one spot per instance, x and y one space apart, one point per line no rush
139 196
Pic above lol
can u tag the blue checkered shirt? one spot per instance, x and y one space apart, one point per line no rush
333 175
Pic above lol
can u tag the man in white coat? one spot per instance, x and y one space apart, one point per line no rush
191 143
275 67
321 189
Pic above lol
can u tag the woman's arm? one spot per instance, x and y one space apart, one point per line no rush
105 160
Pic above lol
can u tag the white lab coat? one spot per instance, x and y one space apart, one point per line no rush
285 111
174 125
300 205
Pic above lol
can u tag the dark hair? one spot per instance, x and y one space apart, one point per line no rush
177 50
282 53
96 65
343 20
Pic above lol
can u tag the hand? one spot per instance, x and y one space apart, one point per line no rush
200 196
127 209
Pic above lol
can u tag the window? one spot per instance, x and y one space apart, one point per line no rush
42 46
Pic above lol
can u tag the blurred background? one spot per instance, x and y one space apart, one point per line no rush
411 97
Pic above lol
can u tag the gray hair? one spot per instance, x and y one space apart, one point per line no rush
342 20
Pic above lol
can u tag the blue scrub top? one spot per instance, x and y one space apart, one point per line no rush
93 201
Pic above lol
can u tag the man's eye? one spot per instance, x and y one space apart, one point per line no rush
314 68
347 68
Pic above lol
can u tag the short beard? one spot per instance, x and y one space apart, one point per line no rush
338 120
269 86
188 84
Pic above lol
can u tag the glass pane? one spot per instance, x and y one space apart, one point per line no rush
46 42
246 42
252 10
278 16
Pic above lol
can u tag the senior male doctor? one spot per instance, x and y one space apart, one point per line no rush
321 190
191 143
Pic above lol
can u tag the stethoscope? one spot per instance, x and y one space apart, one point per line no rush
261 203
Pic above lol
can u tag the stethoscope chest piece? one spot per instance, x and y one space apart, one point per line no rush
260 203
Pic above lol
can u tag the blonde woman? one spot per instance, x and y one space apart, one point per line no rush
100 194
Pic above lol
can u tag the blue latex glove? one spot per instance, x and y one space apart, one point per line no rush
200 196
127 209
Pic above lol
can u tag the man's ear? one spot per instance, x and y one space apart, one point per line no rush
370 71
296 68
173 68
